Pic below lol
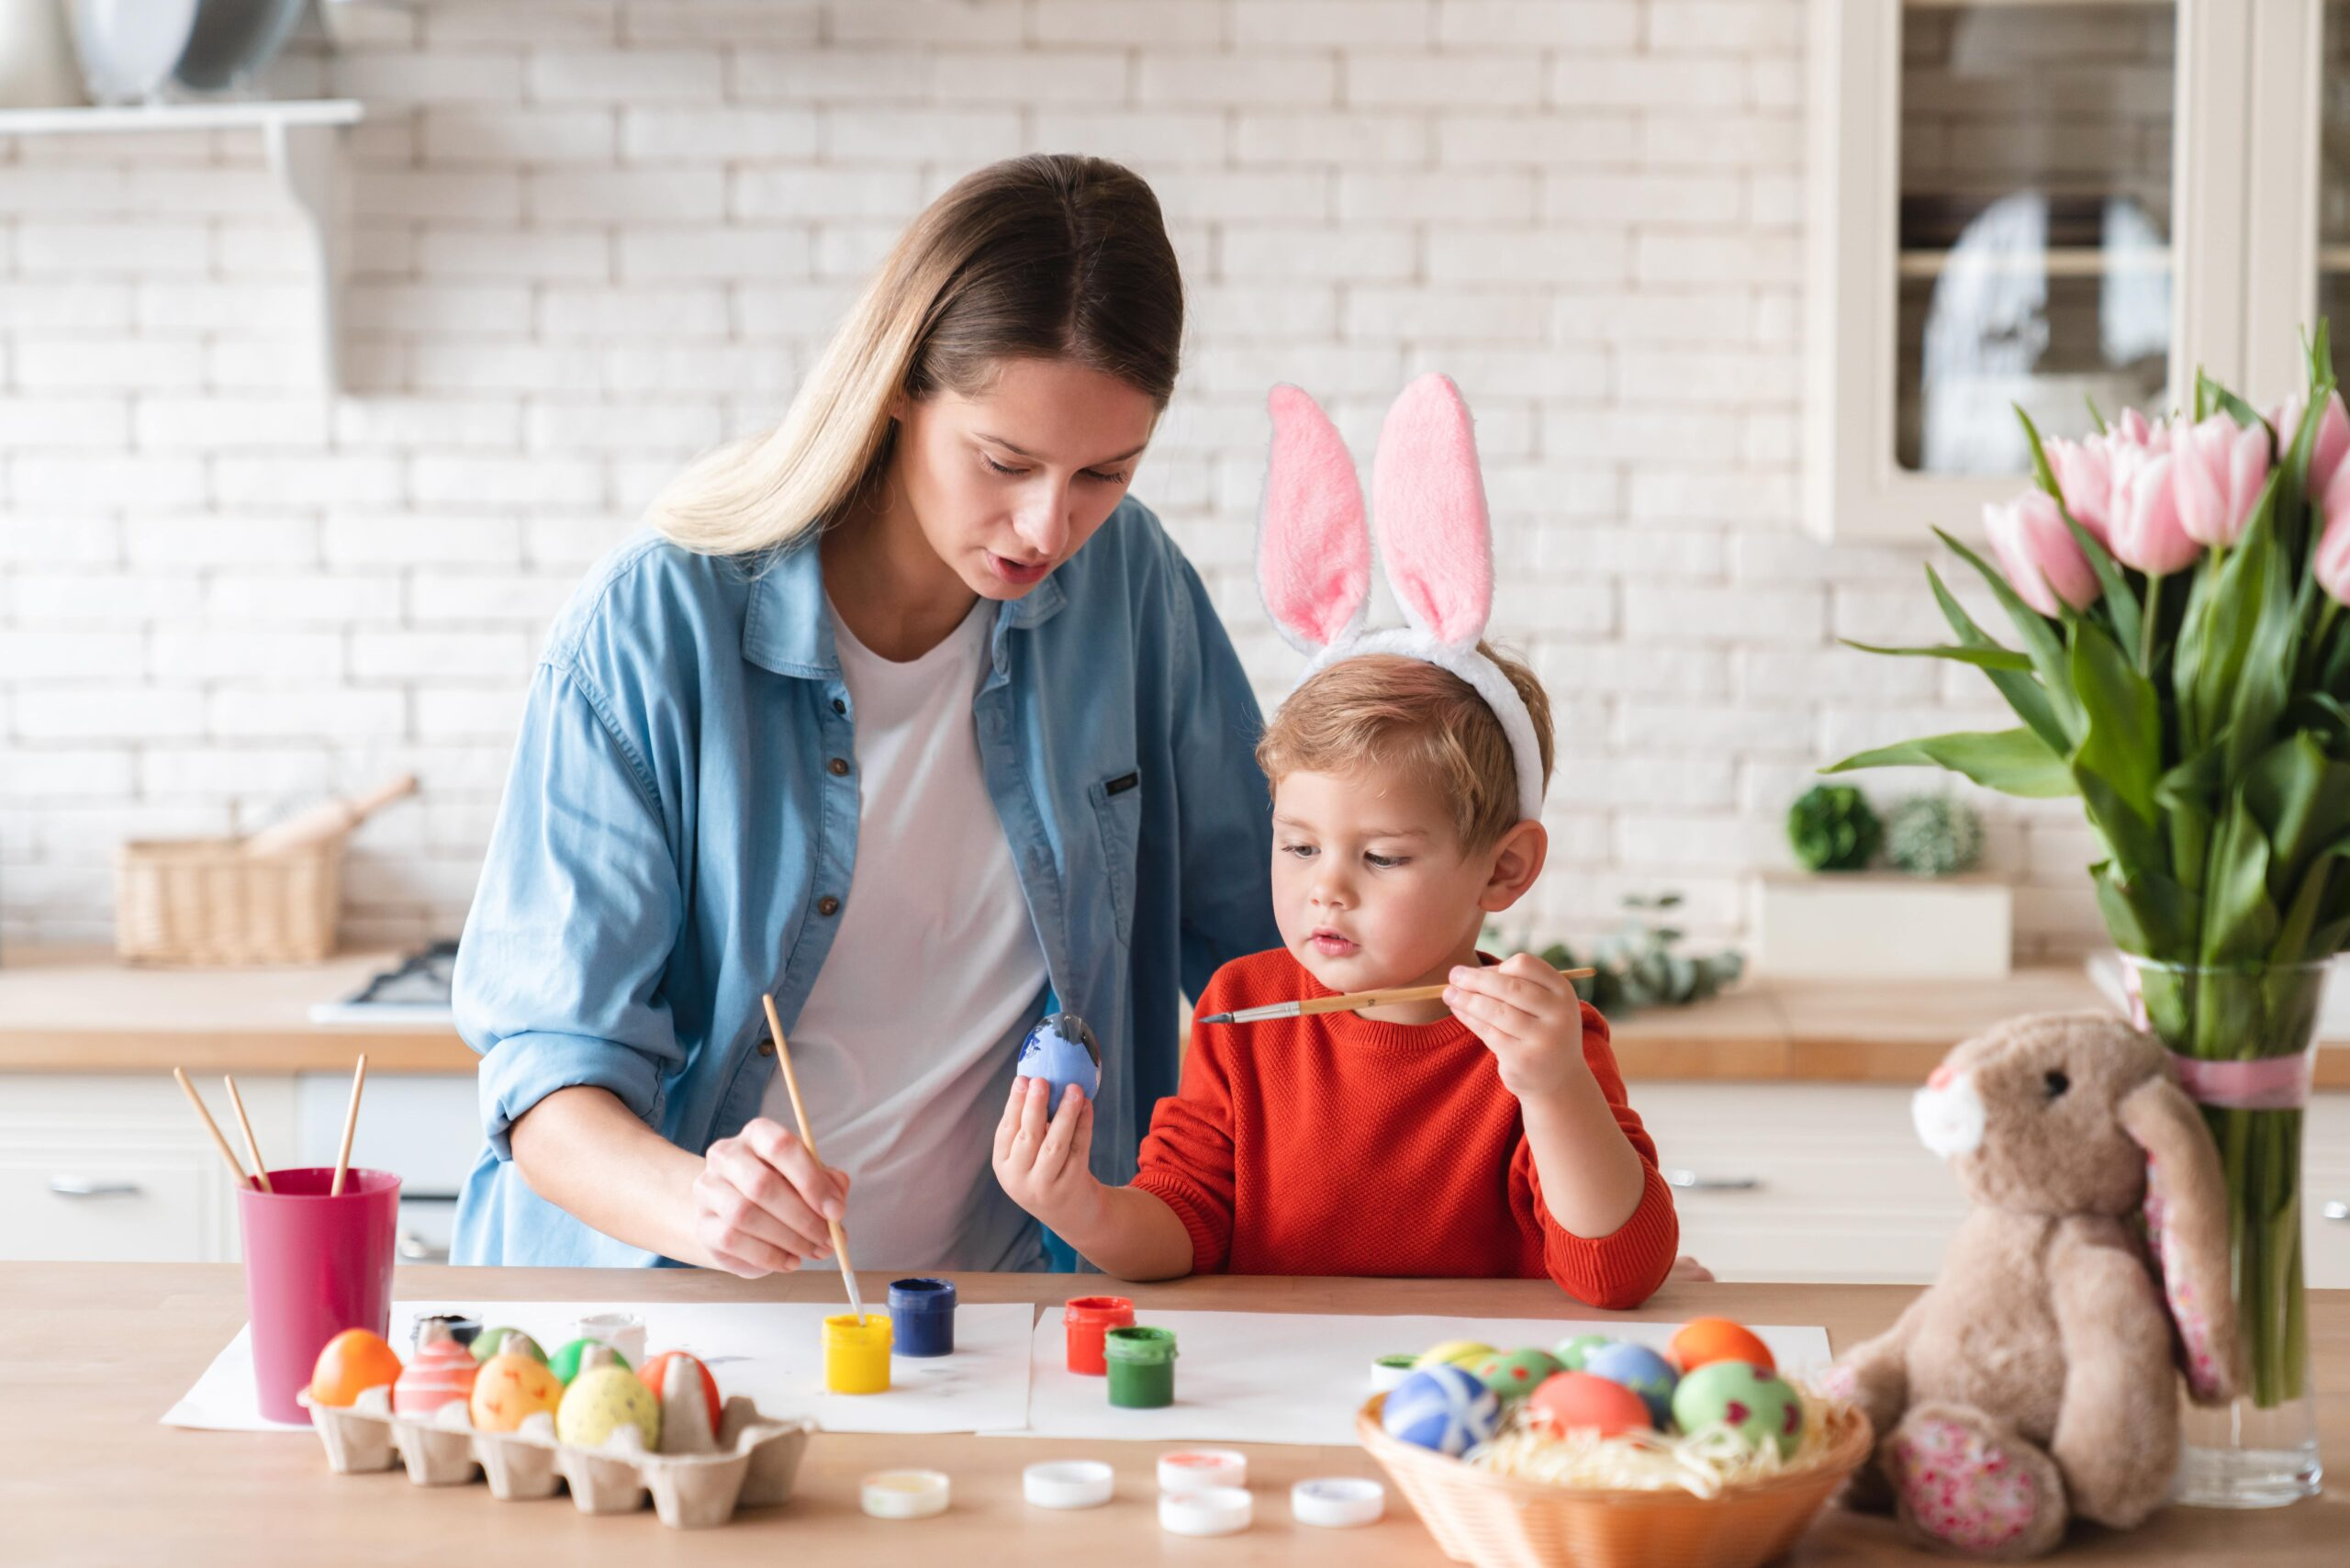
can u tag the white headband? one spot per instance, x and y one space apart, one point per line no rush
1434 546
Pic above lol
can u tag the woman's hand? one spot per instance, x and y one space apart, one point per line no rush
762 1200
1045 1166
1528 1016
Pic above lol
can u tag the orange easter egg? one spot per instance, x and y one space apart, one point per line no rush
352 1362
510 1390
656 1372
1705 1340
1577 1401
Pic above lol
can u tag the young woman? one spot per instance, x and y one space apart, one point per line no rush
905 712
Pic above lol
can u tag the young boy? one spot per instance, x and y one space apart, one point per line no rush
1482 1136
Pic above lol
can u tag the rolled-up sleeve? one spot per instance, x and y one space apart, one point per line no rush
558 980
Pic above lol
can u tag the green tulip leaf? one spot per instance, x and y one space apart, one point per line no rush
2024 694
2014 762
1982 658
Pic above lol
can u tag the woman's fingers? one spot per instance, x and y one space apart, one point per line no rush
822 1189
752 1196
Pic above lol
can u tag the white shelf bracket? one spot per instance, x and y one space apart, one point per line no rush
307 160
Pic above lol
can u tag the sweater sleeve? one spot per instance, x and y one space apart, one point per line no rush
1186 1156
1623 1269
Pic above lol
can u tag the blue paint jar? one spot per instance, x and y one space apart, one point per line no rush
922 1317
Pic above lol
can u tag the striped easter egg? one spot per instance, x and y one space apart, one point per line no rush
440 1371
1442 1407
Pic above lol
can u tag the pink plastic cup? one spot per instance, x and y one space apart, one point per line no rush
314 1266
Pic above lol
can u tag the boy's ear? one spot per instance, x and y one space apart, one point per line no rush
1515 861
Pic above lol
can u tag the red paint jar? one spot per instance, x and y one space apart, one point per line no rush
1088 1318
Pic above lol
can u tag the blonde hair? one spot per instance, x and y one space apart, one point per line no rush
1045 257
1387 710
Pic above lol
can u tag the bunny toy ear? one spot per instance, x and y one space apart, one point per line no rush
1429 499
1312 550
2186 1227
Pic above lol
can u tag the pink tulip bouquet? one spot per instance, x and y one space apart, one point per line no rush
2181 665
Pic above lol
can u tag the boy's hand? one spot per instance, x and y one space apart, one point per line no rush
1528 1016
1044 1165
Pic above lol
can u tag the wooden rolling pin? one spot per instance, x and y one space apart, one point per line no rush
329 819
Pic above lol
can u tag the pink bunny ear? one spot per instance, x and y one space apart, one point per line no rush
1312 550
1429 503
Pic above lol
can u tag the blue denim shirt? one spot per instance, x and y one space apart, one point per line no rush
673 843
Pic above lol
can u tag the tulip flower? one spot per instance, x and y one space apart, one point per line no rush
2146 531
2332 562
2042 559
2217 470
2332 436
2084 471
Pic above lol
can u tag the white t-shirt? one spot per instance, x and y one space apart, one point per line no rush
905 1045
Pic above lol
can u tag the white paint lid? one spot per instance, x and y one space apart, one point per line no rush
1337 1502
1196 1470
1068 1484
905 1494
1219 1510
1386 1379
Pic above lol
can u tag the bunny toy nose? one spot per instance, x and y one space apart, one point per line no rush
1949 1113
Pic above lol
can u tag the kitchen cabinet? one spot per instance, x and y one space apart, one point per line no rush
2052 205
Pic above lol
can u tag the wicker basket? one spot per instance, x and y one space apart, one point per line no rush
204 902
1500 1522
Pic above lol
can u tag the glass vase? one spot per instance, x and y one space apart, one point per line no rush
2247 1035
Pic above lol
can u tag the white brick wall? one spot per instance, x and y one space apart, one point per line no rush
592 237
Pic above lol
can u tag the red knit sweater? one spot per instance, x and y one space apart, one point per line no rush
1333 1145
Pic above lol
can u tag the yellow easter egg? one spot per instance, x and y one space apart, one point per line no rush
1459 1352
510 1390
603 1400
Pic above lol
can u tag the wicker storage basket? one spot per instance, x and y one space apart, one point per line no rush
1500 1522
204 902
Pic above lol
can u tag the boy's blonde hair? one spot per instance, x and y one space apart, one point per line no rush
1394 711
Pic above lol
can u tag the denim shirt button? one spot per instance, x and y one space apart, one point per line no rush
839 706
828 905
767 1048
838 768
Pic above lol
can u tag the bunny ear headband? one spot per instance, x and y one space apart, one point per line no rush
1435 541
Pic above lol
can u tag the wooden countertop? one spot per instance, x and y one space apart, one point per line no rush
79 1011
92 1355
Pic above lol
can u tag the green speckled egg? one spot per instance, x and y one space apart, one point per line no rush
1755 1404
500 1341
603 1400
1572 1353
565 1362
1514 1374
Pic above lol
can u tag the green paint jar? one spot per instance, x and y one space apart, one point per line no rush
1141 1362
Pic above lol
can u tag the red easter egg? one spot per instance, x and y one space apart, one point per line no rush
1577 1401
655 1375
1705 1340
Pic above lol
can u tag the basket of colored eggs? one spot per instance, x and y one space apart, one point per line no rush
1605 1454
583 1419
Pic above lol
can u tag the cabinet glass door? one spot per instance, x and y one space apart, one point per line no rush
2334 181
2034 261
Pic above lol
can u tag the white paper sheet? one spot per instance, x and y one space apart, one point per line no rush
1265 1377
772 1351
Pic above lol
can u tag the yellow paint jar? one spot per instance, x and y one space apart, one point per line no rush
857 1354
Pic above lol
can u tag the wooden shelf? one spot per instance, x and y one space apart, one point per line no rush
303 141
2066 260
225 114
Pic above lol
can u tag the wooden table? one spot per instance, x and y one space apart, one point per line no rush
91 1354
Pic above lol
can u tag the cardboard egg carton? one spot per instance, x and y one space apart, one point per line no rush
751 1463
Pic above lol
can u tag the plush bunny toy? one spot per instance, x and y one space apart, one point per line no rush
2036 1380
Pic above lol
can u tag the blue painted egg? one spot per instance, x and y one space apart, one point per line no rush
1061 1050
1643 1372
1442 1407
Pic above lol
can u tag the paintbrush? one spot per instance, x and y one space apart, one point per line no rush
1307 1006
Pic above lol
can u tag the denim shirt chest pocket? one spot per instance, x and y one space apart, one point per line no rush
1117 812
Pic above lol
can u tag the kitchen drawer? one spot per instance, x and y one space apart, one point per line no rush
89 1205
